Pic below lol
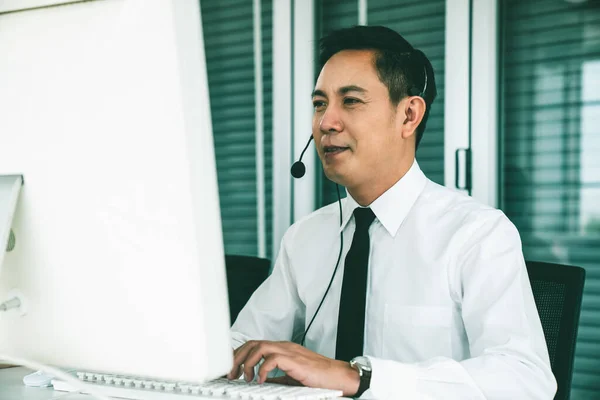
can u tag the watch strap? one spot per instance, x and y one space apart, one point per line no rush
365 382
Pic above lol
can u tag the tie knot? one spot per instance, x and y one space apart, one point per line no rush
363 218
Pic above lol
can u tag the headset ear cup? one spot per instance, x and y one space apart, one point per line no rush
415 91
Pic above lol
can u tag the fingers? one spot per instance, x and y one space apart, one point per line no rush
235 373
252 358
263 350
251 353
271 362
239 356
249 365
300 365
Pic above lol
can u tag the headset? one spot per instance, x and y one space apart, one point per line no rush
298 170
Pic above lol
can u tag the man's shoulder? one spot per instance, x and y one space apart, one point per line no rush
459 209
460 223
452 200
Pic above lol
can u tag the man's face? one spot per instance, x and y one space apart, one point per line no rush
357 130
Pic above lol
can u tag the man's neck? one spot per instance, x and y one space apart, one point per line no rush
368 192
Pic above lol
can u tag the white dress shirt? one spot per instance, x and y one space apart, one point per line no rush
449 313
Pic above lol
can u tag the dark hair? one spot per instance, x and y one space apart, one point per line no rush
400 67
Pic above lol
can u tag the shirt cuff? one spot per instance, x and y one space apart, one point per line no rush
391 380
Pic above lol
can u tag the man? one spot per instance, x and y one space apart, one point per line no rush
432 293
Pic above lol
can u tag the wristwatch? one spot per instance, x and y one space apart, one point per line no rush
363 366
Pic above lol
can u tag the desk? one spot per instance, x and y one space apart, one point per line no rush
12 388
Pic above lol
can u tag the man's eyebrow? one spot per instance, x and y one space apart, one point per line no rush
318 92
351 88
341 91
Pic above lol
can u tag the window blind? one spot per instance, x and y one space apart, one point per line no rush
228 37
267 71
551 149
332 15
422 23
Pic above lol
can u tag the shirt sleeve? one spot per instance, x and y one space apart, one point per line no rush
275 310
509 357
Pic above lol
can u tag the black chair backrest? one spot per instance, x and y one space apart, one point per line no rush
558 290
244 276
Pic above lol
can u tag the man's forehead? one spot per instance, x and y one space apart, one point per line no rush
360 55
348 68
348 62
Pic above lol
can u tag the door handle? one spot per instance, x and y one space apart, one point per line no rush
462 162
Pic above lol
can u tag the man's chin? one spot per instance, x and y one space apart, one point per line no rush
335 176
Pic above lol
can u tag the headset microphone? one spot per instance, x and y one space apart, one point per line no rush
298 168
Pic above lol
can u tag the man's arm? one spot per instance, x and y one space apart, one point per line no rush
507 345
274 311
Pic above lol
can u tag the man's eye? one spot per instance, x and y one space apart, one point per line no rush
349 101
318 104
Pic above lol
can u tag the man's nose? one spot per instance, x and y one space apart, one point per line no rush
331 121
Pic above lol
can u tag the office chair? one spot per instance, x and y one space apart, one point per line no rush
244 276
557 290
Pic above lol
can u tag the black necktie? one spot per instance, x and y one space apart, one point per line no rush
351 320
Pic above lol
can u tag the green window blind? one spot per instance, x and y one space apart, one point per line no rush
267 71
229 44
331 15
422 23
551 149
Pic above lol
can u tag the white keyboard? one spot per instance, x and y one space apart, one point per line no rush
127 387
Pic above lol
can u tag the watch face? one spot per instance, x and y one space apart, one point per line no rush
362 362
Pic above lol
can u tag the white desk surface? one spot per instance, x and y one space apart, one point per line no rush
12 388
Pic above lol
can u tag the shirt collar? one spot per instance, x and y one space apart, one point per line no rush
394 204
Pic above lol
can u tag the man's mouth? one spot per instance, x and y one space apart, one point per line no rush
333 150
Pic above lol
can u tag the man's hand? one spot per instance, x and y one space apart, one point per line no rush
300 364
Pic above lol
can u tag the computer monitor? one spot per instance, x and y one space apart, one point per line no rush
118 246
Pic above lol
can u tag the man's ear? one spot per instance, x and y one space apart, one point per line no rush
414 109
